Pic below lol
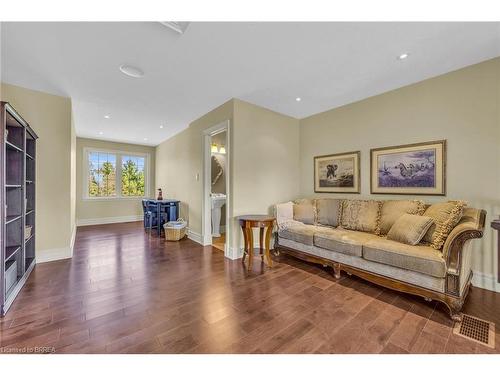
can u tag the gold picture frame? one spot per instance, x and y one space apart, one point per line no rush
412 169
337 173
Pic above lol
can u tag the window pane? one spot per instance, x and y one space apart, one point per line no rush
102 174
133 176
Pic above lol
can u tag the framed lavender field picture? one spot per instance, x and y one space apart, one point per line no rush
418 168
337 173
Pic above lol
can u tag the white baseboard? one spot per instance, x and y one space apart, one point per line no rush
485 281
49 255
233 253
108 220
196 237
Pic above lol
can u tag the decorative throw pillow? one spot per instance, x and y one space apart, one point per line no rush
392 210
446 216
304 211
360 215
284 215
328 211
409 229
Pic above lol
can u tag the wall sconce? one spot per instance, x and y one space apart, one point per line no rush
222 150
214 148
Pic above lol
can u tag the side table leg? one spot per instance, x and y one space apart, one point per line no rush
261 242
269 231
250 248
245 243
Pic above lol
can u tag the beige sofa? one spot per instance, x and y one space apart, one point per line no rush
321 231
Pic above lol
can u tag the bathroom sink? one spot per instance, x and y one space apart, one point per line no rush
218 200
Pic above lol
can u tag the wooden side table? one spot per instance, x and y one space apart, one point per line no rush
495 224
247 223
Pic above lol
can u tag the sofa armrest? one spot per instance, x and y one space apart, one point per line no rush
471 226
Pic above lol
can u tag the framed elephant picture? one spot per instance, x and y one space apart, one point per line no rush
418 168
337 173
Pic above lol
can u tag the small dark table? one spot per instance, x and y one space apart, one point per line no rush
170 206
247 223
495 224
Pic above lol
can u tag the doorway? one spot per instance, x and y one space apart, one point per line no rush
216 188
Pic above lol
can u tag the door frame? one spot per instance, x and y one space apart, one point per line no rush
206 204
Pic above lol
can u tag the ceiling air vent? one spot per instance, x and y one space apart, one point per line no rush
178 27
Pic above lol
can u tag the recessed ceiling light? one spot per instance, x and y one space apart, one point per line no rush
403 56
145 139
107 116
131 71
101 133
298 99
161 126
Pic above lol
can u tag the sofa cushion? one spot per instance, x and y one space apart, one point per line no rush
420 258
360 215
299 233
409 229
342 241
304 211
393 210
445 215
328 211
284 215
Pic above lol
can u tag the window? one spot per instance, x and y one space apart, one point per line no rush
133 176
102 174
112 174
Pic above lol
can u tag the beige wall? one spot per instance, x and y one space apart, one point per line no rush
109 210
50 117
263 163
180 159
461 107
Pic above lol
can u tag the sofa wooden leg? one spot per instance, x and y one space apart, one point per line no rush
336 270
455 306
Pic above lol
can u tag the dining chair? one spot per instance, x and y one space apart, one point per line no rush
154 218
146 213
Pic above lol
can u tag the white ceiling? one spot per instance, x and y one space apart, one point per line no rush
269 64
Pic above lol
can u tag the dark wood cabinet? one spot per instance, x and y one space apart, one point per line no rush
17 201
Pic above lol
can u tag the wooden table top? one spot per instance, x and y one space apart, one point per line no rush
162 200
495 224
256 218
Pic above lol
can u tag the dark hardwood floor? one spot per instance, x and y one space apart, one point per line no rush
127 292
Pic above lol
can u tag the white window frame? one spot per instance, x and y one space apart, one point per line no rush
119 154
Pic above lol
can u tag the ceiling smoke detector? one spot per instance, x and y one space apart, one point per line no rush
178 27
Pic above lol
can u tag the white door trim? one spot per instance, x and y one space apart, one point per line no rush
206 206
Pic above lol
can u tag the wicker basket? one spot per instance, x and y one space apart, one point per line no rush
174 234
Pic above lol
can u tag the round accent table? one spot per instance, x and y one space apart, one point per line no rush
247 223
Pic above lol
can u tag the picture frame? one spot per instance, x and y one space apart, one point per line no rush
411 169
337 173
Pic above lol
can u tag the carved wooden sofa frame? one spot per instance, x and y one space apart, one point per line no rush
452 251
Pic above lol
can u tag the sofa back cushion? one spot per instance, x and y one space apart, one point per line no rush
304 210
328 211
409 229
445 216
362 215
284 215
393 210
